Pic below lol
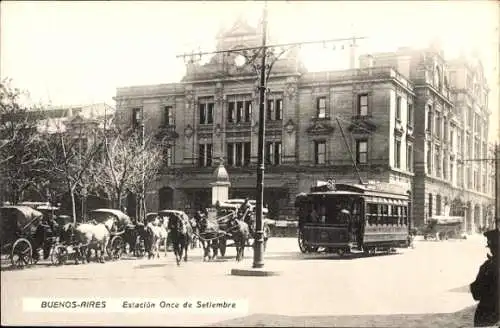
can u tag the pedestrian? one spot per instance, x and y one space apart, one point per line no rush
485 288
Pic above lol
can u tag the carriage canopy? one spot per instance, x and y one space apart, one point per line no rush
15 219
103 214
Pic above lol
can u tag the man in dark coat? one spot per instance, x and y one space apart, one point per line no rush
485 288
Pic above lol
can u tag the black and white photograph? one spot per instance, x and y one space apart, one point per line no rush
250 163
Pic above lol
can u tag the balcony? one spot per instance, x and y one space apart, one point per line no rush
362 124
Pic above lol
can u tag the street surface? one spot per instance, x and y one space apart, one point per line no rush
431 278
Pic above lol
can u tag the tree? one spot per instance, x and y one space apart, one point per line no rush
147 165
71 155
20 162
125 164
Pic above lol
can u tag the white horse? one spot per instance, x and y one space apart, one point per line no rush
158 234
95 236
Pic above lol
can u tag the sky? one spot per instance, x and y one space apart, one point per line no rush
80 52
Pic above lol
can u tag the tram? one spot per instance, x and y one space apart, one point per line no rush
343 218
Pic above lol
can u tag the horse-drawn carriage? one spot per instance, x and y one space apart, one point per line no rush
443 228
116 244
22 234
224 213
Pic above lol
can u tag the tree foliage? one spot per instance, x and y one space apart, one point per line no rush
71 154
125 164
20 162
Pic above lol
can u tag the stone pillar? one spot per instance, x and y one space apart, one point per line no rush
220 187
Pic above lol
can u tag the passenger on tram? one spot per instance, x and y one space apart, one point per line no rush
313 215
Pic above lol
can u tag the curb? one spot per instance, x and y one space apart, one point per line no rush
254 273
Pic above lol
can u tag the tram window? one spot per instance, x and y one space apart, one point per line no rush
394 219
372 213
384 213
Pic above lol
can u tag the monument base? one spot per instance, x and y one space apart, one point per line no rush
254 272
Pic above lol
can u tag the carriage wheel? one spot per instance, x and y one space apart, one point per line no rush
21 253
222 246
116 248
302 246
59 255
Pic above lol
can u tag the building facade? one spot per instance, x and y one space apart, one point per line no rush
212 115
454 173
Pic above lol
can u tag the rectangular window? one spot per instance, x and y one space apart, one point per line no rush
231 112
210 113
268 152
437 161
248 111
168 115
320 152
361 151
230 154
398 108
321 107
246 153
279 109
397 153
238 154
363 105
136 117
202 111
273 153
410 114
429 119
239 111
205 155
206 111
270 109
409 158
428 158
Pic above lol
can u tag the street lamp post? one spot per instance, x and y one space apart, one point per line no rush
259 234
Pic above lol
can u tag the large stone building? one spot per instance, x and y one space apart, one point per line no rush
212 114
452 175
397 112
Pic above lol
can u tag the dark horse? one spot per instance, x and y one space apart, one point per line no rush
46 232
209 236
181 235
240 233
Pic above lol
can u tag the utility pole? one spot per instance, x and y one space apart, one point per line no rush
264 70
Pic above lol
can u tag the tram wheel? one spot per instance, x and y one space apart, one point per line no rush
303 248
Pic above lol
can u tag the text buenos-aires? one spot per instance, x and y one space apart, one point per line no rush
73 304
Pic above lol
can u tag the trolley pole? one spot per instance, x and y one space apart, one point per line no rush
259 233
